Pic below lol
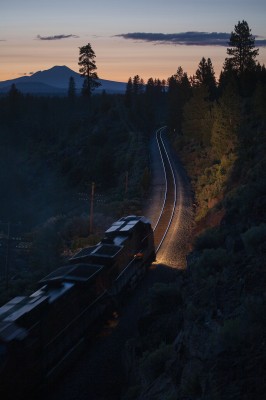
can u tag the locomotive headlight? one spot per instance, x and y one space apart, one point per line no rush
139 256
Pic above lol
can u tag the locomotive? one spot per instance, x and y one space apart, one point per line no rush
40 334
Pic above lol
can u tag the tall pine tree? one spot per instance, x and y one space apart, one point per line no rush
71 88
242 50
88 70
205 76
179 91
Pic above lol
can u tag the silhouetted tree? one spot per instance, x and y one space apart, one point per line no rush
228 76
205 76
71 88
14 97
150 87
14 92
87 69
142 85
179 92
164 85
137 90
242 50
137 85
128 94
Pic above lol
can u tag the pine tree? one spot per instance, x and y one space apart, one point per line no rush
71 88
197 117
150 87
13 92
205 76
179 92
136 85
14 96
242 50
128 94
87 70
226 123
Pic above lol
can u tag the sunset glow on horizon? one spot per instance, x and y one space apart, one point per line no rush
39 36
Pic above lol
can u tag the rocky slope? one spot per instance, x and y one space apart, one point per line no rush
203 336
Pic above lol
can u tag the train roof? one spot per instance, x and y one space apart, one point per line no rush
115 237
77 273
100 250
15 313
21 305
125 225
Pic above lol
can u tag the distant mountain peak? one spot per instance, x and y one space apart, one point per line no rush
57 77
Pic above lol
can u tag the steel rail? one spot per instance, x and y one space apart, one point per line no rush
169 203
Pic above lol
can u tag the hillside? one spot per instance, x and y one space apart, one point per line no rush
203 336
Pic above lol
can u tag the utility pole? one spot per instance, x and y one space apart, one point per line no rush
126 182
92 204
7 256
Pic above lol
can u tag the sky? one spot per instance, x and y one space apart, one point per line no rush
151 38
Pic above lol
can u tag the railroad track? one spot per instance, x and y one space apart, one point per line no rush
167 212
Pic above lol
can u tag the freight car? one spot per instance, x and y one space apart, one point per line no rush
41 333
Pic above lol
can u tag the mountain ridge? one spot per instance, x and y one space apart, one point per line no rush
55 80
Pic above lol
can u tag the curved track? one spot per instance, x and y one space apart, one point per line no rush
167 212
170 207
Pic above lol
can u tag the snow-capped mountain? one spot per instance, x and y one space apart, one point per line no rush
56 81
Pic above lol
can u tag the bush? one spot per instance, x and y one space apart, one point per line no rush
231 335
211 261
254 238
152 364
210 239
164 297
132 393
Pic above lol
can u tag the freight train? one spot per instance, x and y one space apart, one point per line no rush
41 333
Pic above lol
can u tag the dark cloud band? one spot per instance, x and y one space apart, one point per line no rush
186 38
56 37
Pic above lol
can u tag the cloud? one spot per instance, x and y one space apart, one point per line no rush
56 37
185 38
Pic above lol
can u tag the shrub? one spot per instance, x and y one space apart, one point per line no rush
231 334
211 238
132 393
211 261
254 238
152 364
164 297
